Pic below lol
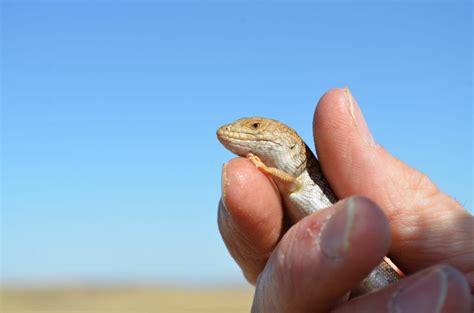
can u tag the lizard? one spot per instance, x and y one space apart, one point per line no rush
279 152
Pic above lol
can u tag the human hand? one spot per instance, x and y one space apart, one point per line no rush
294 273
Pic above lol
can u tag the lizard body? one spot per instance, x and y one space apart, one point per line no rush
278 151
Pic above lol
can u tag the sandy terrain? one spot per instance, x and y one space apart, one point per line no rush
124 300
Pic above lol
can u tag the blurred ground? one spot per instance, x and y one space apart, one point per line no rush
124 300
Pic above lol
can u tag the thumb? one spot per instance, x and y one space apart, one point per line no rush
428 226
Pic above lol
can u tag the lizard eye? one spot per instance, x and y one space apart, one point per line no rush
293 146
256 125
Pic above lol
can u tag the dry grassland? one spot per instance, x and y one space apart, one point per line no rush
125 300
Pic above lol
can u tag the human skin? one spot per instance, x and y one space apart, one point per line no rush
311 266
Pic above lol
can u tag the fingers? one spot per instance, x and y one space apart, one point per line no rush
250 216
428 227
440 289
322 257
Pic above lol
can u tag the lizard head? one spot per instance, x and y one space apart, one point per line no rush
276 144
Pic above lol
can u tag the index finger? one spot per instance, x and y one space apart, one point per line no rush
250 216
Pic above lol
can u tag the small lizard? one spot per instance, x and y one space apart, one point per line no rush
278 151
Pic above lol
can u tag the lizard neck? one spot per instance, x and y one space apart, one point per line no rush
315 173
293 161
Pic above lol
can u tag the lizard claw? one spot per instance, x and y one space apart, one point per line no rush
256 160
290 182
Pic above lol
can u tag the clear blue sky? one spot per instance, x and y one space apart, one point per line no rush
110 165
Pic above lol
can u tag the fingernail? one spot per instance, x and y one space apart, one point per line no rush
335 233
358 118
427 294
224 184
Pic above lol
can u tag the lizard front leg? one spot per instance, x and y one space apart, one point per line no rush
281 177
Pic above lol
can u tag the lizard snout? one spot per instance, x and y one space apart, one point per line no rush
223 130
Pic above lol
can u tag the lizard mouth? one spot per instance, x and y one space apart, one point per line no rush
233 142
226 133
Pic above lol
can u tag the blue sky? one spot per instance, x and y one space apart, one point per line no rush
110 165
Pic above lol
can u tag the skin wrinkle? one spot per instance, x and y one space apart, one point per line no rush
276 273
416 184
426 196
394 204
287 268
296 268
433 240
247 252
